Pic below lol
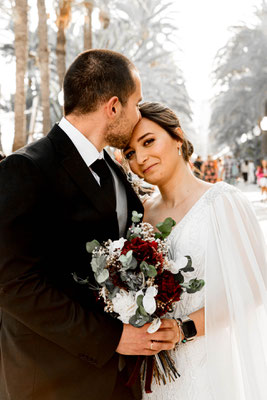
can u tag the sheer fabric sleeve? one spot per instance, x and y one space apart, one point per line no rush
236 300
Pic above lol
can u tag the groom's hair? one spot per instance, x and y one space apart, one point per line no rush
94 77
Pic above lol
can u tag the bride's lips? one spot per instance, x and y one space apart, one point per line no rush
149 168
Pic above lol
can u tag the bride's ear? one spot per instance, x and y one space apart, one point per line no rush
180 133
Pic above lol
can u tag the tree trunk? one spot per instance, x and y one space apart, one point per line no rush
87 28
62 22
21 51
44 65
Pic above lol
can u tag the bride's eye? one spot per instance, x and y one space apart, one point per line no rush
148 141
129 155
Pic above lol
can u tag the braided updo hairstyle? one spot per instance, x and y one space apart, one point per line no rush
166 118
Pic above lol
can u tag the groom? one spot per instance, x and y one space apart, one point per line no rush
58 193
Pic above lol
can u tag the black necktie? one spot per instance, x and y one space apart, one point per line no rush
106 180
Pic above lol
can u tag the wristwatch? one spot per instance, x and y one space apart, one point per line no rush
188 327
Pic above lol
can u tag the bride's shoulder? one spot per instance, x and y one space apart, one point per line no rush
220 189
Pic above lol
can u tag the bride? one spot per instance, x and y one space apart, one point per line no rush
223 356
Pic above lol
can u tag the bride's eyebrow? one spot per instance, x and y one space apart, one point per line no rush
143 136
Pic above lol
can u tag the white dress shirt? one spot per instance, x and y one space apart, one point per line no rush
90 154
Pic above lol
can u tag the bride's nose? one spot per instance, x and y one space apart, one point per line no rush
141 157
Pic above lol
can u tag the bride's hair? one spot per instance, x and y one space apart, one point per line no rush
166 118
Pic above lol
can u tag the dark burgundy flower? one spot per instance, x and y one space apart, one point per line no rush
169 291
143 250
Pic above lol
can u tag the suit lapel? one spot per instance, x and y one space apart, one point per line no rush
78 170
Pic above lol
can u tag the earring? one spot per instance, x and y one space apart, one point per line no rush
179 151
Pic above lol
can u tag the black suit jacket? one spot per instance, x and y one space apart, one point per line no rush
56 342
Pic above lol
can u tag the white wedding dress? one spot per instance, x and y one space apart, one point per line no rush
223 238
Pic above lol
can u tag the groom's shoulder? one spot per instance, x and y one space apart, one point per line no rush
42 150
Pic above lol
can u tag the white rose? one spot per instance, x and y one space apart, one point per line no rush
125 305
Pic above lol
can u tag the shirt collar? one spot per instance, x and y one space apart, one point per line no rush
87 150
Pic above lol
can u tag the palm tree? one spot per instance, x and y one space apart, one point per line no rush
63 19
241 80
88 34
21 52
44 64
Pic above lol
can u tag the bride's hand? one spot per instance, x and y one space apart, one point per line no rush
137 341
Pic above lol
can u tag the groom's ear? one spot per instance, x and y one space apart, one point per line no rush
113 107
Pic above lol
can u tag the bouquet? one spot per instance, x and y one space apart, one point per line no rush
139 283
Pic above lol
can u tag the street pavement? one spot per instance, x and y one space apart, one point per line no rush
253 193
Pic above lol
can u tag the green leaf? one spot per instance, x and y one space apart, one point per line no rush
138 320
194 285
179 278
148 269
98 263
102 276
165 227
90 246
139 300
128 261
142 311
188 267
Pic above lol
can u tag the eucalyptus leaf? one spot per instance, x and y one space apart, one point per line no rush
128 261
142 311
179 278
194 285
90 246
139 320
102 276
165 228
98 263
139 300
188 267
148 269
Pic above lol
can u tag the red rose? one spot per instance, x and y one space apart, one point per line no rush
143 250
169 291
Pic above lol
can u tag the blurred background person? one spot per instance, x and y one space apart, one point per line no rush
197 167
251 172
262 178
244 170
209 170
220 167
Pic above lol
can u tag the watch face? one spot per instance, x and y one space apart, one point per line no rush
189 329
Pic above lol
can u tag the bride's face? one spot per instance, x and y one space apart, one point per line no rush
152 153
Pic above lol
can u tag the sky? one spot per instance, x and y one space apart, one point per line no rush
203 28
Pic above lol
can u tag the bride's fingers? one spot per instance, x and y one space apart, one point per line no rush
154 347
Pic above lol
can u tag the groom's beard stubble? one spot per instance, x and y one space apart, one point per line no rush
119 133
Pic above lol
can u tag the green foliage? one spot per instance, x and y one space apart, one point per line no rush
91 246
165 228
194 285
128 261
148 270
